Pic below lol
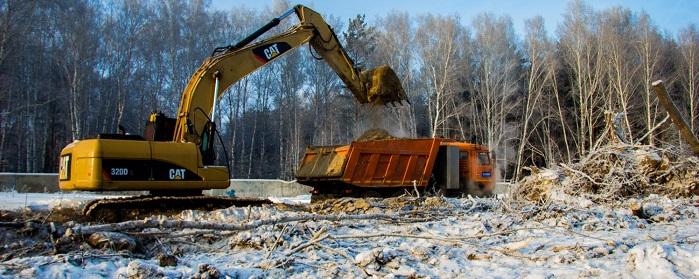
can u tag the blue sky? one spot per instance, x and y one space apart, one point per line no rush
669 15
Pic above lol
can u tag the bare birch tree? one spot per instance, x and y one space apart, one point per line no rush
648 46
395 40
616 38
323 88
441 49
123 26
76 49
15 17
581 55
496 83
688 41
539 53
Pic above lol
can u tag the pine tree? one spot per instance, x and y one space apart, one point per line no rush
360 41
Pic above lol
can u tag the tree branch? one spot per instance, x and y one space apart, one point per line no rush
179 224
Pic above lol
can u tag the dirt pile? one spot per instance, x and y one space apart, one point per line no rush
376 134
614 173
374 205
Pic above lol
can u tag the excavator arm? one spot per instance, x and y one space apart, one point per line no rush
229 64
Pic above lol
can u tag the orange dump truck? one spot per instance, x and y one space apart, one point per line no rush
389 167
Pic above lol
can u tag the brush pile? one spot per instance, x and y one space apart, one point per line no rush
614 173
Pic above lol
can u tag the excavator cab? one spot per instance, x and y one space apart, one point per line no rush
159 127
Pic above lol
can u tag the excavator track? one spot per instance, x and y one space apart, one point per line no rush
127 208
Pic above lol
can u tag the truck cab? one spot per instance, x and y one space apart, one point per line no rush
464 168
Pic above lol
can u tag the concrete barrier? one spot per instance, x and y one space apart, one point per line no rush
48 183
262 188
29 182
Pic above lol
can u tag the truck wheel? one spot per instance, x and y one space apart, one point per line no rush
370 194
470 188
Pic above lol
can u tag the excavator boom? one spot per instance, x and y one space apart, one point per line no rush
229 64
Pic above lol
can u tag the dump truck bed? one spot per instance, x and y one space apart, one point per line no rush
371 164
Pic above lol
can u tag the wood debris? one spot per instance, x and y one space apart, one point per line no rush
614 173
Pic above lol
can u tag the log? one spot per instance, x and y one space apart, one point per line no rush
682 126
112 240
638 211
180 224
618 130
12 224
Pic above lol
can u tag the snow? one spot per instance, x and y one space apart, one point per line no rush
656 260
301 199
46 201
568 238
66 267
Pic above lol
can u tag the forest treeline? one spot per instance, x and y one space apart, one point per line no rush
73 69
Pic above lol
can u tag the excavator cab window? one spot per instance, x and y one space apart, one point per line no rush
206 145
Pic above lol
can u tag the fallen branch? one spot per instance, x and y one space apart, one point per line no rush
169 234
415 187
585 235
12 224
513 254
190 243
474 201
74 257
307 244
653 129
276 242
461 238
441 238
180 224
583 175
374 235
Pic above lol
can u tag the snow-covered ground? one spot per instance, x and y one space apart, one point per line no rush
45 201
302 199
464 238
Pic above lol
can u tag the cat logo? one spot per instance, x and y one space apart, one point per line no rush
271 52
176 174
266 53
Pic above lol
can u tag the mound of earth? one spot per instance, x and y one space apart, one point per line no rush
376 134
374 205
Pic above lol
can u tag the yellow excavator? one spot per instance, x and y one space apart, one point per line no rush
174 159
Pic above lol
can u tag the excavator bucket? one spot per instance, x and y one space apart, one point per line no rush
384 86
